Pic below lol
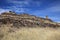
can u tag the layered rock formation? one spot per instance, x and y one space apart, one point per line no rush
25 20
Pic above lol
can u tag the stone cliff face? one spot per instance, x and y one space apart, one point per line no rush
25 20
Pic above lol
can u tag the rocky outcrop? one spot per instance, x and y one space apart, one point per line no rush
25 20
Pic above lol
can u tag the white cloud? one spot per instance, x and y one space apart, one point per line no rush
20 2
19 9
53 9
55 18
3 10
15 2
49 10
25 2
19 6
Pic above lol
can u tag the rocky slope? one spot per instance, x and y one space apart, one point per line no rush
25 20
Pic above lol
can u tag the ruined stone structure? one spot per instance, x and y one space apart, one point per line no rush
47 17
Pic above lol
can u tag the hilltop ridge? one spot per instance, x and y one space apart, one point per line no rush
26 20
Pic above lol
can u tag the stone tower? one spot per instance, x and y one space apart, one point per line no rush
46 17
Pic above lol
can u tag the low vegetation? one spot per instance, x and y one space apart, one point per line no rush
6 33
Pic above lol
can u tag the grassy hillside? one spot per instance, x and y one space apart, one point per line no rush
27 27
8 33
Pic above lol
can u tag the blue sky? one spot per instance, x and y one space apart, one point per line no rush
39 8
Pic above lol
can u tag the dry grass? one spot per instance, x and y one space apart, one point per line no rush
30 34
